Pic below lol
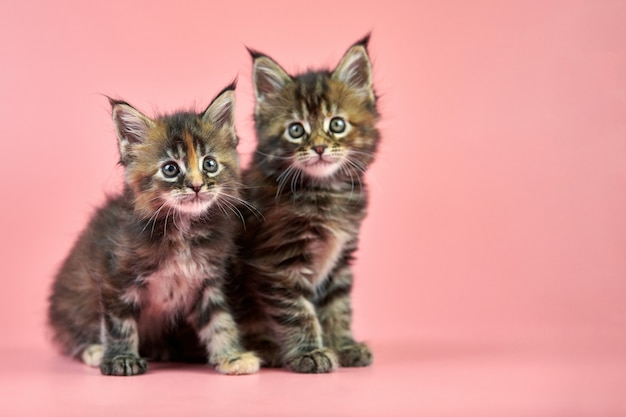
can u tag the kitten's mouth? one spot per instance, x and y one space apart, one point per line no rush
321 167
321 160
194 198
194 204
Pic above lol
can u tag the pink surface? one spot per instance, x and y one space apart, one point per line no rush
491 278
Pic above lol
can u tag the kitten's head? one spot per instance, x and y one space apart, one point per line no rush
181 163
321 123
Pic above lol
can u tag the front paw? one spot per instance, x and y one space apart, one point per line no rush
358 354
239 364
315 362
123 365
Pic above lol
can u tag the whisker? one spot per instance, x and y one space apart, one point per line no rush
347 171
154 219
247 205
285 172
284 177
273 156
350 167
363 168
236 211
219 205
353 151
294 180
176 212
166 217
357 164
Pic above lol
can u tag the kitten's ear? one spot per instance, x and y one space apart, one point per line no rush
131 126
221 111
355 69
267 76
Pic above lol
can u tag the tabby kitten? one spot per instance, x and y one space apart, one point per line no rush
145 278
316 138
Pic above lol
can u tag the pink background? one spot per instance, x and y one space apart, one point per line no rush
491 278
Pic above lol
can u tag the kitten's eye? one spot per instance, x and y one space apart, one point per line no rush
210 165
170 170
296 130
337 125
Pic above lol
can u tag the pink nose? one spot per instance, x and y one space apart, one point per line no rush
195 187
319 149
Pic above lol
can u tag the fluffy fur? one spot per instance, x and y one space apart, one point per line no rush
144 280
316 138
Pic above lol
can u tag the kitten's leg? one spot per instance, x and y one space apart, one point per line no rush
335 313
218 331
121 345
257 337
294 322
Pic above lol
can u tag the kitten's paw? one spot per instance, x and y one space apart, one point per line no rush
358 354
315 362
239 364
92 355
123 365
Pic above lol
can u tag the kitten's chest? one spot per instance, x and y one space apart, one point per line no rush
174 287
325 253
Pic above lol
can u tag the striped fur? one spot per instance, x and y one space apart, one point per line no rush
145 278
316 137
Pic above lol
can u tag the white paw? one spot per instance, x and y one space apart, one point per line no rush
92 355
239 364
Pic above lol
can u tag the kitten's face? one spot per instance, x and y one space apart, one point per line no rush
321 124
181 164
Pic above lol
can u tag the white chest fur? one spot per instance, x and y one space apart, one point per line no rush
171 291
326 254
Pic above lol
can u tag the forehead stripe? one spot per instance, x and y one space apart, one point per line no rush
191 151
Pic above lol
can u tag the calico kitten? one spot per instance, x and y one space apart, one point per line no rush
145 278
316 138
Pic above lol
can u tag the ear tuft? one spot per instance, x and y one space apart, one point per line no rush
254 53
364 41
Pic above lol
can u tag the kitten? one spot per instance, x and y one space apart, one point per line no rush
145 277
316 138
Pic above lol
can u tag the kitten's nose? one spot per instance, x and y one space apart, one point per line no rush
319 149
195 187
